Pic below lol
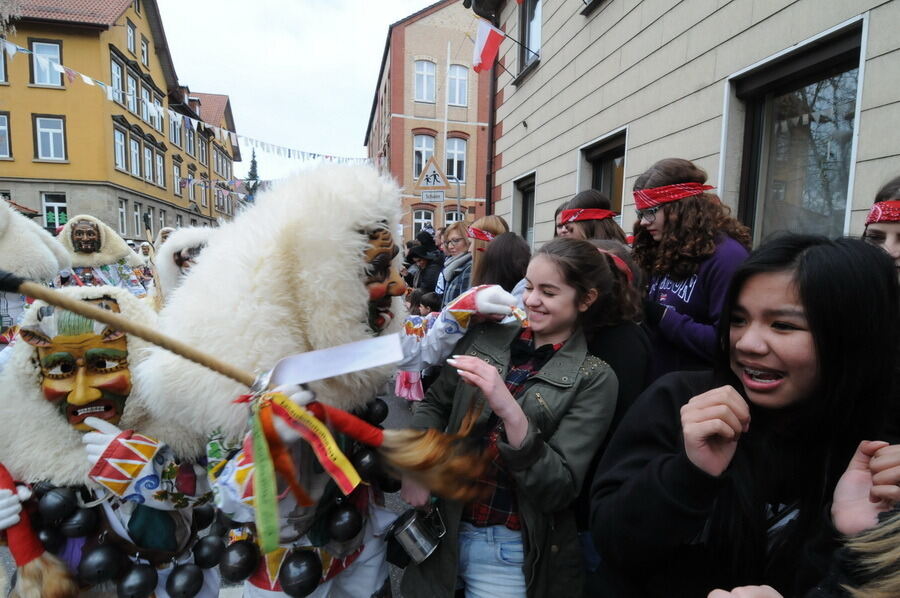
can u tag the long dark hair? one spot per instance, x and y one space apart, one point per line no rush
624 302
850 295
693 225
594 229
504 262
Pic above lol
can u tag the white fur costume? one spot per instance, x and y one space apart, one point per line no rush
285 276
182 240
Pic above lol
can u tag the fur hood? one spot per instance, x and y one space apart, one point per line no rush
286 276
36 443
112 247
167 270
28 250
158 241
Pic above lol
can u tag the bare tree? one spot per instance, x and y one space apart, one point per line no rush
9 10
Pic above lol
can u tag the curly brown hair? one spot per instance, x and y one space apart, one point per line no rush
693 224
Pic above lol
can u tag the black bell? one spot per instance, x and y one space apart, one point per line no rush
139 582
203 516
83 522
239 561
208 551
39 489
376 411
51 539
300 573
185 581
365 461
57 504
389 484
344 523
99 564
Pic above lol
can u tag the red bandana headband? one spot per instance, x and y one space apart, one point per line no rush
884 211
477 233
621 266
650 198
579 215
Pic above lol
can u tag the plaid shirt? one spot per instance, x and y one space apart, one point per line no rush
499 507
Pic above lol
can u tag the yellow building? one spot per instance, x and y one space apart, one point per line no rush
70 147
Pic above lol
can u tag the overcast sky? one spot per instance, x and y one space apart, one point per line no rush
300 73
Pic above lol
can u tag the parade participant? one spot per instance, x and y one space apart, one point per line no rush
588 215
547 406
103 491
722 479
688 246
883 221
99 256
454 278
176 256
27 250
285 285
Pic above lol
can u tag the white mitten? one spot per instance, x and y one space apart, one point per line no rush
11 506
95 443
299 394
492 299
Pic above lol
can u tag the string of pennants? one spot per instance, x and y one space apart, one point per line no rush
156 112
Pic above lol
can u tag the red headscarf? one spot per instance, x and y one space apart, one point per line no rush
650 198
477 233
884 211
578 215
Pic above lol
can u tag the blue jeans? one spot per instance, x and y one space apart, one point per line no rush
490 561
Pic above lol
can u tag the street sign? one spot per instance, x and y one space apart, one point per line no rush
432 196
432 179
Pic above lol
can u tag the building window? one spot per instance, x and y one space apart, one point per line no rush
530 32
121 155
5 145
44 56
145 102
118 84
137 219
175 131
606 162
457 89
148 164
160 171
54 209
193 222
160 120
525 200
3 67
50 137
452 216
130 29
135 153
424 81
132 94
176 179
456 158
137 6
145 51
123 218
423 150
190 188
204 193
190 136
151 216
162 219
421 219
798 140
178 220
203 147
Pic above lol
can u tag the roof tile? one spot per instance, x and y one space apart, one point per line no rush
89 12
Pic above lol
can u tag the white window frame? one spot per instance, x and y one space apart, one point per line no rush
145 101
202 150
3 69
190 141
425 81
151 211
530 50
162 219
192 196
53 206
145 52
160 115
130 35
123 216
120 150
132 92
40 129
420 146
5 141
175 131
451 216
160 170
38 49
116 76
176 179
178 221
136 213
134 153
421 217
456 157
148 164
458 85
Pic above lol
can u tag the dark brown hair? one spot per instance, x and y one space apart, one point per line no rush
583 268
504 262
889 191
592 199
693 224
624 302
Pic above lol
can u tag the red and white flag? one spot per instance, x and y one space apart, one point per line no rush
487 43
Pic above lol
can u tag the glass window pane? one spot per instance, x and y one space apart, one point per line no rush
44 74
806 164
4 136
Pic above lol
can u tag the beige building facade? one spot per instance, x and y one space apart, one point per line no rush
789 105
430 103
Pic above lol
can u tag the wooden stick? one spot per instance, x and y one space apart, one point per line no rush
120 322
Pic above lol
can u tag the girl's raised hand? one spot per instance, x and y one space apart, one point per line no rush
711 424
885 468
747 592
860 494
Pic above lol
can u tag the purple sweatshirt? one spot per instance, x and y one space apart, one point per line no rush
685 338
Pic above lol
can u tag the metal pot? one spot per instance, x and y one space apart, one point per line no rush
419 532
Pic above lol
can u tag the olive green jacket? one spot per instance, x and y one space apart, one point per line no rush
569 404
